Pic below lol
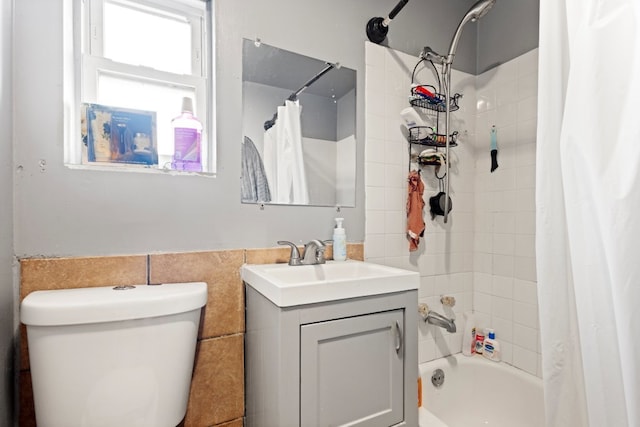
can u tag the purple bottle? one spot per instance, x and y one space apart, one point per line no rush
187 132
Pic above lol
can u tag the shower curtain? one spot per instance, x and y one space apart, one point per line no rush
284 162
588 211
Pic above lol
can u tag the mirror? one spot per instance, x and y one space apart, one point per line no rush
299 129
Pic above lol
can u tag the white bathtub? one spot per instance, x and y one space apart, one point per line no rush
479 392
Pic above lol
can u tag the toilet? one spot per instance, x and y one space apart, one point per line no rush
113 356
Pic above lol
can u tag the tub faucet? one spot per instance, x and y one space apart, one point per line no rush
437 319
434 318
313 253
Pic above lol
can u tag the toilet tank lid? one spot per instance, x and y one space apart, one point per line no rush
106 304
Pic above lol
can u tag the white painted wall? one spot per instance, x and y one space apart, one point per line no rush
509 30
61 212
484 256
7 314
67 212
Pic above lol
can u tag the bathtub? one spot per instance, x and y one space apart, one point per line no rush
479 392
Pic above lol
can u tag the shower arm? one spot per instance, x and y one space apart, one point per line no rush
429 54
446 71
446 62
478 10
446 68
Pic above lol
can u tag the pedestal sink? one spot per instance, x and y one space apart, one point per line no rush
286 285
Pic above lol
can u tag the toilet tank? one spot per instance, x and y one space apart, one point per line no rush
113 356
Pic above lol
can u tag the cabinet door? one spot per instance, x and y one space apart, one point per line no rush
351 371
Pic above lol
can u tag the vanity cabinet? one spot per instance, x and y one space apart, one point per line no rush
357 360
348 362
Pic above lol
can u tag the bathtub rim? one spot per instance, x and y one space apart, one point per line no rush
425 369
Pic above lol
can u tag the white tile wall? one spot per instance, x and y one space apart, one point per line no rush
485 255
445 256
505 295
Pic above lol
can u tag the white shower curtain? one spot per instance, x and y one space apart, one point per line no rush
588 211
284 163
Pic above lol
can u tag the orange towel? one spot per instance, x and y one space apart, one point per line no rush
415 204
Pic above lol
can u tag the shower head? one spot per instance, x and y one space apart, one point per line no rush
377 28
477 11
480 8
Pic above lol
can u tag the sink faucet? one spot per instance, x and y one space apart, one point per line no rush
313 253
437 319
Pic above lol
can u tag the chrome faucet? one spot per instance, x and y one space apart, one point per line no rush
434 318
437 319
313 253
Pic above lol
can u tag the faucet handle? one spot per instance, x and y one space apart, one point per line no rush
294 258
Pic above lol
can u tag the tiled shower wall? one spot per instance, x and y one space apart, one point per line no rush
445 254
484 256
504 283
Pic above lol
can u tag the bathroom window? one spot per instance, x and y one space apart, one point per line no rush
139 60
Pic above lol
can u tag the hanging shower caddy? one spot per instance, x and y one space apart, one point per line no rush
377 30
429 99
434 139
433 102
423 99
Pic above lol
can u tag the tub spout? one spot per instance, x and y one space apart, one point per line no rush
438 319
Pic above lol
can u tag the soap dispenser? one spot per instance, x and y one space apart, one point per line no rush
339 241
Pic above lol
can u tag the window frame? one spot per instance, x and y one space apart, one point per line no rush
89 64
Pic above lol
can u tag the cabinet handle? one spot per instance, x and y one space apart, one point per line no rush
398 336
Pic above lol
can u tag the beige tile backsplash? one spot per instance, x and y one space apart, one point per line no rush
224 313
58 273
217 386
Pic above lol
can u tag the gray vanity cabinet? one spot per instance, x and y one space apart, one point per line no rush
347 362
358 360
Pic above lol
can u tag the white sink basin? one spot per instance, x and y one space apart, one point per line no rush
286 285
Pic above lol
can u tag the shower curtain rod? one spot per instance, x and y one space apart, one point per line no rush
269 123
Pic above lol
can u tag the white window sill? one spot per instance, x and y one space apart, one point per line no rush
136 169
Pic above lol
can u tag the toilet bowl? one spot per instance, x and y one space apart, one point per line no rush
113 356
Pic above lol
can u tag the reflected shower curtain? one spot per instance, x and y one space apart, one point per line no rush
588 211
284 163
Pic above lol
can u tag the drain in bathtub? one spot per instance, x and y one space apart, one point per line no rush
437 379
